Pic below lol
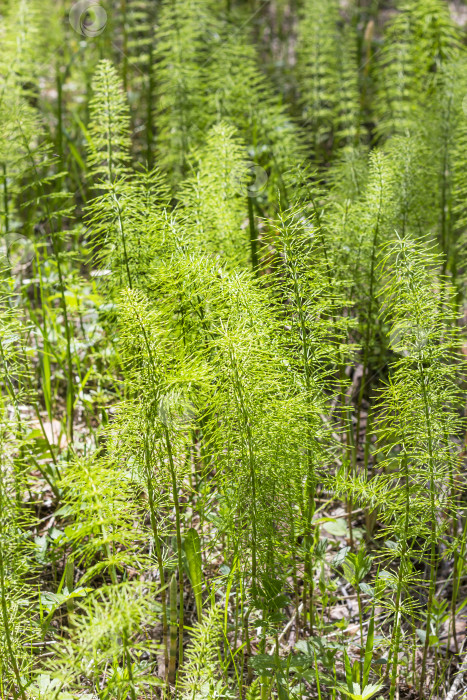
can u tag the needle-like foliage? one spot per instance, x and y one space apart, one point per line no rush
232 347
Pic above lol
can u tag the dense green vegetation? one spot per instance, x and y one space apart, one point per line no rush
233 288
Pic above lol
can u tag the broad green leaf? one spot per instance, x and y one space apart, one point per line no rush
340 556
357 693
370 690
338 527
421 634
262 662
367 589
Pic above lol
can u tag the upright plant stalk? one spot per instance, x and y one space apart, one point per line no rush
123 237
173 476
157 544
456 582
179 542
127 658
251 464
68 333
6 214
298 296
59 83
433 558
396 632
368 330
253 236
173 628
123 13
5 616
150 127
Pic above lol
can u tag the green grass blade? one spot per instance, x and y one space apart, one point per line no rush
368 650
193 555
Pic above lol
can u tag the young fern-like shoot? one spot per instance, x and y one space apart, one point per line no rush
109 143
420 415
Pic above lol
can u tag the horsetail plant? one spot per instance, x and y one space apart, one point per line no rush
232 456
